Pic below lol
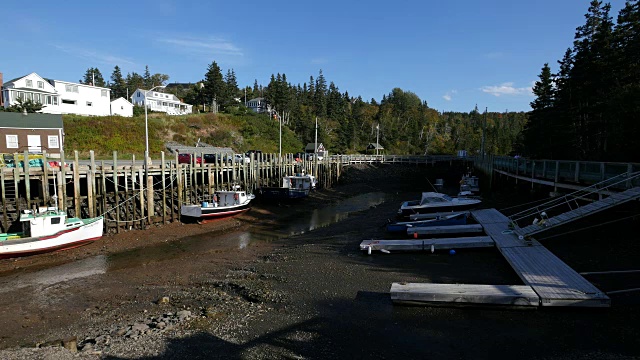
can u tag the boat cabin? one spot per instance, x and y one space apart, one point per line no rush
227 198
300 182
45 222
434 198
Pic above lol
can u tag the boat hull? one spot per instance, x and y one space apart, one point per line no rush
406 211
460 219
278 193
67 239
199 212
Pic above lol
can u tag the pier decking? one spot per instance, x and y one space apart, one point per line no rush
552 281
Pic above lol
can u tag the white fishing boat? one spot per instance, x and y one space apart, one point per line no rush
49 230
436 202
223 204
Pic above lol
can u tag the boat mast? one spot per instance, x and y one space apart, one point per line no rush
55 190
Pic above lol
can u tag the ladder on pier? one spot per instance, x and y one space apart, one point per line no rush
576 205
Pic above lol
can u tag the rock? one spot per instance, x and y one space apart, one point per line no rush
184 314
163 300
161 325
140 327
71 344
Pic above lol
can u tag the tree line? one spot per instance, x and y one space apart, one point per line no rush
401 122
589 108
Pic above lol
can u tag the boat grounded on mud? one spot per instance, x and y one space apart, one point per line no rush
223 204
48 230
293 187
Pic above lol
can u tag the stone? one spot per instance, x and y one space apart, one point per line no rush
71 344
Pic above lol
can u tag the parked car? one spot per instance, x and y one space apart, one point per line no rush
251 152
186 158
242 159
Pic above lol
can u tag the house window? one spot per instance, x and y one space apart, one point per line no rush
29 83
68 102
103 93
40 84
55 101
75 88
12 141
89 103
121 107
159 102
53 142
68 88
48 100
36 98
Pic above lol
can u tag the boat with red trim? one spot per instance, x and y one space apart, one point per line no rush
223 204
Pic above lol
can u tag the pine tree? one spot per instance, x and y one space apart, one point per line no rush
118 85
93 77
148 82
214 86
320 96
540 133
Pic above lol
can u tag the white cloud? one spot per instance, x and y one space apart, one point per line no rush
506 89
206 45
94 55
448 96
494 55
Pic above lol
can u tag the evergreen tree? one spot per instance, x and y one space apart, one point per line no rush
540 133
320 96
148 82
118 85
93 77
214 86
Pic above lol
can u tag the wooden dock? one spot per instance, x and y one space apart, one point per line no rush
548 280
427 244
445 230
554 281
460 294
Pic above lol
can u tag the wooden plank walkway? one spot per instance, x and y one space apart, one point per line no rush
426 244
554 281
460 294
444 230
592 208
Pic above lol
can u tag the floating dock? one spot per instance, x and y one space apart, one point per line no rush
445 230
548 280
428 244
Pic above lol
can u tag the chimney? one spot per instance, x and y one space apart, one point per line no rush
1 96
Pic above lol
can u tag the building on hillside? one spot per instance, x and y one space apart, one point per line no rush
320 150
58 96
159 101
33 132
258 105
122 107
376 148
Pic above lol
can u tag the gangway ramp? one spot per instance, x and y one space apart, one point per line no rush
555 282
580 212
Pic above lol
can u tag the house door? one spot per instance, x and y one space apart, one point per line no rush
33 141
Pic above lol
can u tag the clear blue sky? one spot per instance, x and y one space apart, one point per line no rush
452 54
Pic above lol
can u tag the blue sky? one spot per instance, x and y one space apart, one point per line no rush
452 54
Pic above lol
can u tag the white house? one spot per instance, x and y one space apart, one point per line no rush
122 107
159 101
258 105
57 96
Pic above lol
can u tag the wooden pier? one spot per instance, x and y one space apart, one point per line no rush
547 277
428 244
134 194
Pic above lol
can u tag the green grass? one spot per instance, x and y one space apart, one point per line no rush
107 134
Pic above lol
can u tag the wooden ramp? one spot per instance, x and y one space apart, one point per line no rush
445 230
426 244
554 281
592 208
460 294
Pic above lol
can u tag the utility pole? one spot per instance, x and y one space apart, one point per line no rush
377 137
484 128
315 150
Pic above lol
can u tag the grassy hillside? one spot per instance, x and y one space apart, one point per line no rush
106 134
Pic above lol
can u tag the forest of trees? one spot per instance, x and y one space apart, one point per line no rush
589 109
404 123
